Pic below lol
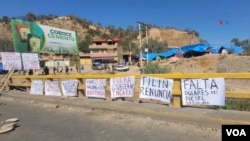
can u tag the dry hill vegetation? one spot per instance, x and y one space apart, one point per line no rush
87 30
214 63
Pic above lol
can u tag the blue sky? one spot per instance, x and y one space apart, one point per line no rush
200 15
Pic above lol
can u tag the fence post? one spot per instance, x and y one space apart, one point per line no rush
28 81
177 93
80 92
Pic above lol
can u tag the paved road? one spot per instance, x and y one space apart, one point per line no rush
49 122
52 119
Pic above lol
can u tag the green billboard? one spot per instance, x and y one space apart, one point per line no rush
33 37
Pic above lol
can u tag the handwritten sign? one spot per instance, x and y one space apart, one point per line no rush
96 88
10 60
51 88
36 87
156 88
122 86
209 91
69 87
30 61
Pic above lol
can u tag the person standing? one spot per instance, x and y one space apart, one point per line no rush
67 70
54 70
76 68
30 72
46 70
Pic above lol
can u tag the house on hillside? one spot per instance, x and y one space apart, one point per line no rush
104 51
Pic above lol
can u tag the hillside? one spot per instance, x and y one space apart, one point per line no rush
173 37
214 63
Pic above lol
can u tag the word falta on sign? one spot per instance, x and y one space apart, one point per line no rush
200 84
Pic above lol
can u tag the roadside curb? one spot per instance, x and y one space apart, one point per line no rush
195 116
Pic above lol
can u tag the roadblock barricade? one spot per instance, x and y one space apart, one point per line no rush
24 81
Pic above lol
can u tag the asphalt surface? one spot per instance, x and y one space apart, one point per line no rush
211 118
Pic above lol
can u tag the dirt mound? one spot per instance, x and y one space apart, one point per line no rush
212 63
215 64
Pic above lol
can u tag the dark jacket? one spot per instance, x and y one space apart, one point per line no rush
46 70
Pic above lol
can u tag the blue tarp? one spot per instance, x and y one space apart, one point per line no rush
231 49
201 47
166 54
1 68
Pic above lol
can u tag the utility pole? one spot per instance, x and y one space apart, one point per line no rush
130 53
147 42
140 46
140 37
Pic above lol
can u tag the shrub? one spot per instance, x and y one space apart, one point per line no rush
237 104
154 68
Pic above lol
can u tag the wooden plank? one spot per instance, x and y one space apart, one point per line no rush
138 76
176 76
6 79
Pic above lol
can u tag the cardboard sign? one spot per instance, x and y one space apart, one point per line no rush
96 88
208 91
10 60
69 87
156 88
51 88
36 87
122 86
30 61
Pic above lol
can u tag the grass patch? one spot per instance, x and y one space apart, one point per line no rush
154 68
237 104
234 104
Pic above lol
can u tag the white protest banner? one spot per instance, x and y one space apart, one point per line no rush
69 87
122 86
208 91
36 87
96 88
10 60
30 61
156 88
51 88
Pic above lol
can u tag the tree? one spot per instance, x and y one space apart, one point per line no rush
129 45
154 45
236 42
6 19
31 17
84 45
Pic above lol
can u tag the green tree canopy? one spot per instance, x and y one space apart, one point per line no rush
154 45
84 45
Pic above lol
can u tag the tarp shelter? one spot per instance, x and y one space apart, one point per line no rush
166 54
230 49
202 47
195 49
